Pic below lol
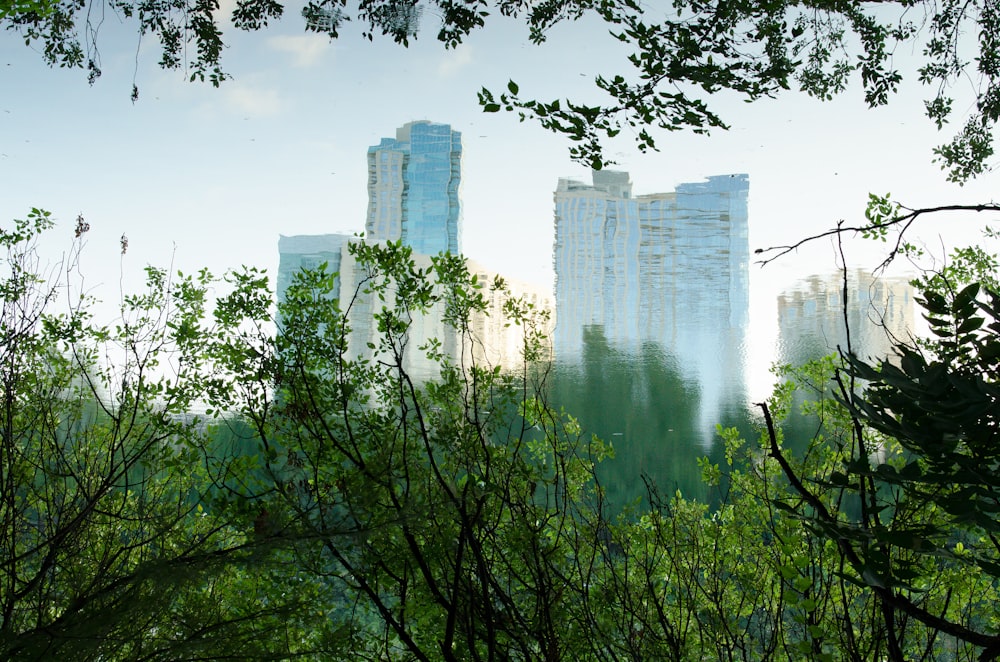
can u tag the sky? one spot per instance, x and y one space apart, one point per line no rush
201 177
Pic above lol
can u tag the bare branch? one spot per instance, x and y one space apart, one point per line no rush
903 222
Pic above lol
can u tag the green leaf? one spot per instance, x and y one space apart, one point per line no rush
970 324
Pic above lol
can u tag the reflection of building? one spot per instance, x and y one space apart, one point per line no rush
489 340
669 268
413 183
413 189
308 252
498 341
811 316
645 267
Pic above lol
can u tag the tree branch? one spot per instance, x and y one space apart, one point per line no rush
895 600
772 253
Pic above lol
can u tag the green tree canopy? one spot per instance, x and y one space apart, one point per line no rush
110 546
327 504
908 495
330 505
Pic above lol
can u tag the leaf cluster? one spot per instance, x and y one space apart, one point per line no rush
910 498
114 543
696 48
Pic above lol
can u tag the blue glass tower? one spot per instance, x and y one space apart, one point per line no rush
413 188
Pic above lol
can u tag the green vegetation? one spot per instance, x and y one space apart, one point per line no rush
109 542
679 55
328 505
331 506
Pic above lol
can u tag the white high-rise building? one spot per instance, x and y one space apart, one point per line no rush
667 268
649 267
812 322
308 252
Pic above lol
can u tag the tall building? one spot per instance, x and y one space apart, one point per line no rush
666 269
489 339
309 252
413 188
648 267
812 322
413 196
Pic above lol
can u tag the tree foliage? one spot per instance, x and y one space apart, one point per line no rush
108 548
454 516
918 469
331 505
679 55
327 505
696 48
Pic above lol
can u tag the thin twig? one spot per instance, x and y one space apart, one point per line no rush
905 220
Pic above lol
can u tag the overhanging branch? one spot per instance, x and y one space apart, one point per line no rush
903 221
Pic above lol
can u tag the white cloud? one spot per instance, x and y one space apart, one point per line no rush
251 99
305 49
454 60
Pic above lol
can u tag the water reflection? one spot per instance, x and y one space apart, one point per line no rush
641 401
814 318
663 269
658 403
651 304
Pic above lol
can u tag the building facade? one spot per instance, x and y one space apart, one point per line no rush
648 267
489 338
814 319
309 252
413 188
413 197
666 273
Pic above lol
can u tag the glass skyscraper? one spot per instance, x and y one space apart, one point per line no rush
413 196
413 188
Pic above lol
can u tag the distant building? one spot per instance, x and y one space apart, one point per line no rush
665 268
490 339
308 252
811 316
498 341
413 196
413 188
